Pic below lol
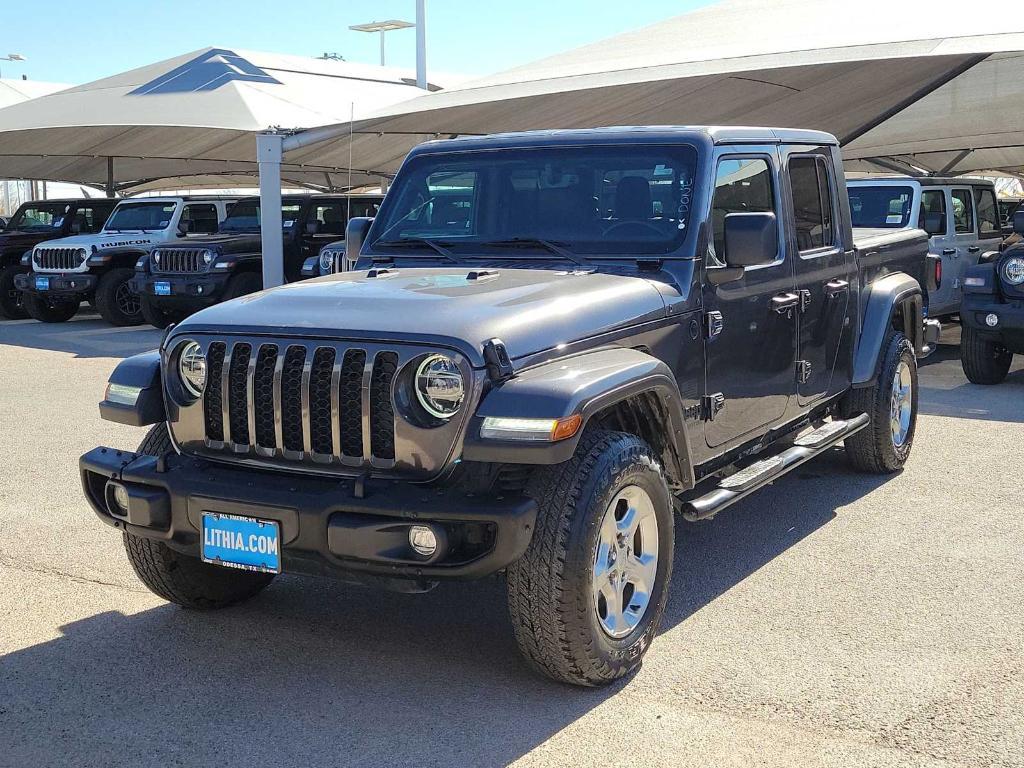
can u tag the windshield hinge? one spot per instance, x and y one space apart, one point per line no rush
499 364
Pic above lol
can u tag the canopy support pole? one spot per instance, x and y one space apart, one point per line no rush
110 189
954 162
895 166
269 149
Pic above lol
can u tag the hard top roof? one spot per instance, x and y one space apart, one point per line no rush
926 181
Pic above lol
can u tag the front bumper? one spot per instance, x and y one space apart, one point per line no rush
358 528
201 288
59 284
1009 329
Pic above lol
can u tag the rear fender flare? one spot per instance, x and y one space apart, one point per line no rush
886 298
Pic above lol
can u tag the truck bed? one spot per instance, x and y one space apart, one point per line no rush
883 251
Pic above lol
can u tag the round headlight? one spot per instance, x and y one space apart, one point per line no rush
207 257
82 254
440 388
1013 270
192 368
326 261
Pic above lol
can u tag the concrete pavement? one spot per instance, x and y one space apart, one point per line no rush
833 619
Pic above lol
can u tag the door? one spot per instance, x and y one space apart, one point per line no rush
823 264
965 240
750 341
936 201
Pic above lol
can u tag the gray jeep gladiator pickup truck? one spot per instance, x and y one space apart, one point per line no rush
552 346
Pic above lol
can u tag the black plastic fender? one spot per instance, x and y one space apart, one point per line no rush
884 297
583 384
139 373
116 257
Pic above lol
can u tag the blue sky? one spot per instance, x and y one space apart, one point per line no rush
82 42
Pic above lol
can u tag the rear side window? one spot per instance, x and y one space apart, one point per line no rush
89 220
963 211
812 203
933 203
988 212
742 185
199 219
330 218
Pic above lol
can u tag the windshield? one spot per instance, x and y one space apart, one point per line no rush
244 216
588 200
881 207
141 216
39 217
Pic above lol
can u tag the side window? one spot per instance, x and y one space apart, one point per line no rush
812 203
199 218
742 185
988 212
330 218
963 211
85 221
933 203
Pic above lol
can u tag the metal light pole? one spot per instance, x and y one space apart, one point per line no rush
421 44
382 27
11 57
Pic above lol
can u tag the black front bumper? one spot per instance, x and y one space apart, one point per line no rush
200 289
327 527
61 285
1009 329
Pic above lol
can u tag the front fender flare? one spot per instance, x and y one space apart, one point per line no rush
885 296
583 384
139 374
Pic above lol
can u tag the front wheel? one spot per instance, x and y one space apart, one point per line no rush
181 579
115 301
588 595
157 317
883 446
12 304
983 361
50 310
243 284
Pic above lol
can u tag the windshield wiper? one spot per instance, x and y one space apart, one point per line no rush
406 241
527 242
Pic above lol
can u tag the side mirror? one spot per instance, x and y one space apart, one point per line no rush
751 239
1018 222
355 234
935 224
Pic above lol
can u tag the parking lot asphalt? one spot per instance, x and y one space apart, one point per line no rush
832 619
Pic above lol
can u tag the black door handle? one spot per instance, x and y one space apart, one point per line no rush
949 251
785 302
836 287
974 249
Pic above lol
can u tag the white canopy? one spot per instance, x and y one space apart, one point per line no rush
193 115
887 78
16 91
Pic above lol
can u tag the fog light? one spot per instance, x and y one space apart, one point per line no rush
991 320
117 499
422 540
199 289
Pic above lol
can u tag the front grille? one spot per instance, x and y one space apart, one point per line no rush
328 404
59 258
179 260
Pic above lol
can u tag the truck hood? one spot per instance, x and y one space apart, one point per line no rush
530 310
103 240
238 242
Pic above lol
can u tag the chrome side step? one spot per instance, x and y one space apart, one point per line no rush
747 480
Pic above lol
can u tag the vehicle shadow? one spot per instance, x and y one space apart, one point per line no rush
84 336
945 390
316 672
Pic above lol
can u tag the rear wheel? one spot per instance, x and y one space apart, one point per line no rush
181 579
587 596
115 301
50 310
883 446
12 304
983 361
243 284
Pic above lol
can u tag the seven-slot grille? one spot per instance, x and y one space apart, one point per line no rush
330 404
59 258
180 260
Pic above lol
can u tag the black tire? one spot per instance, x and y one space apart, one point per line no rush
243 284
12 303
875 449
181 579
154 315
48 310
983 361
115 301
550 593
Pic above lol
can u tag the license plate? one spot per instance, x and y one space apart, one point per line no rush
241 542
42 283
162 289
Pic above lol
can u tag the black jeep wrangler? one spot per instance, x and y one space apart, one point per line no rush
176 280
992 314
554 345
35 222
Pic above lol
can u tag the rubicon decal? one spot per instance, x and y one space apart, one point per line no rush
122 243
